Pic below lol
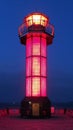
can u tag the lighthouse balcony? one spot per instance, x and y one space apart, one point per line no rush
23 29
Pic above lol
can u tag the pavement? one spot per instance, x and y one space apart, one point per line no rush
54 123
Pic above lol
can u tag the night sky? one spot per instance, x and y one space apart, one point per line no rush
12 53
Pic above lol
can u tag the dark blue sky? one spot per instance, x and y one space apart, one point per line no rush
12 53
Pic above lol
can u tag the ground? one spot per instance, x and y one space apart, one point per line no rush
54 123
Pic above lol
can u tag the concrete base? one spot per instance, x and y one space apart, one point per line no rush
35 107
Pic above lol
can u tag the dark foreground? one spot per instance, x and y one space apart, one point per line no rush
54 123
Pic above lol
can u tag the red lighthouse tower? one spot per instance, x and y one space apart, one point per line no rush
36 33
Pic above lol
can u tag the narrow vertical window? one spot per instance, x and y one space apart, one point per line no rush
36 66
36 46
28 87
28 47
43 47
43 66
36 86
43 86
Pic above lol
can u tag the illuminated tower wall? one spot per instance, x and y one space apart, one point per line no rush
36 65
36 33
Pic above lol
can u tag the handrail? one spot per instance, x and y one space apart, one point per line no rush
24 29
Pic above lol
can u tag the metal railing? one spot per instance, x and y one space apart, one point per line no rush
23 29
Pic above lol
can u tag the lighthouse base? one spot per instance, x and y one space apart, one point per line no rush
35 107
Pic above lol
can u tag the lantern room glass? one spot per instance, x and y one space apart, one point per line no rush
36 19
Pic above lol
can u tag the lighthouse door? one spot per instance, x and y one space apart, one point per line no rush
35 109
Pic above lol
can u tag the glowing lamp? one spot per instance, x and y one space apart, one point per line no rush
36 19
36 33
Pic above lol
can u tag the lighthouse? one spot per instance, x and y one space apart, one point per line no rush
36 33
